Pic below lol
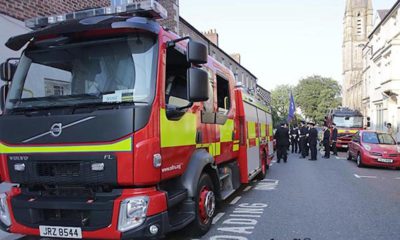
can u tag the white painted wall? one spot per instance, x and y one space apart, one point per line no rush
382 73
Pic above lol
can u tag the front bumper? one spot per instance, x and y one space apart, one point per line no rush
104 225
371 160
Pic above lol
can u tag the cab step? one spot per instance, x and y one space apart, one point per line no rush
180 221
176 196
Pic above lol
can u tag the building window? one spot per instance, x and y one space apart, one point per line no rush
58 90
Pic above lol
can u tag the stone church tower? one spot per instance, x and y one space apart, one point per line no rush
358 24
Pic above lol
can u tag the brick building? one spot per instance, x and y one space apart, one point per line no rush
14 12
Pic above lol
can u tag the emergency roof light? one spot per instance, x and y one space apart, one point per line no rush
149 8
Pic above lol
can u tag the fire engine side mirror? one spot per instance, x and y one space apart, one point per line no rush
3 96
197 53
7 70
197 85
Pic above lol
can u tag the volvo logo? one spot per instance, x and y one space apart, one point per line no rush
56 129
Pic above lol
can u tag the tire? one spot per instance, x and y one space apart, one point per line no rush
349 157
264 167
205 203
359 161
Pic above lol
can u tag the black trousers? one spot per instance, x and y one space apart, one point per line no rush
307 148
334 148
303 146
327 150
281 153
294 145
313 149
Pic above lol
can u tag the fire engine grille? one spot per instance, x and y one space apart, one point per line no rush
75 170
58 169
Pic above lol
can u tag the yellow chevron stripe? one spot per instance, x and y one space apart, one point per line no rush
121 146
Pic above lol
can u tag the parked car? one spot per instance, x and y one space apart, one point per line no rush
371 148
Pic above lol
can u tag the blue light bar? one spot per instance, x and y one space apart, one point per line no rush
149 8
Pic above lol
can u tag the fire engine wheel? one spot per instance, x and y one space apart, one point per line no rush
205 206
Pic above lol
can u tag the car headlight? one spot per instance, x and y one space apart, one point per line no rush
4 212
132 213
367 147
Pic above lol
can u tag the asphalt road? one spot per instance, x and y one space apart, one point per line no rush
309 200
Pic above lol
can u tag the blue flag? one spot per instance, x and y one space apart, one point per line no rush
292 108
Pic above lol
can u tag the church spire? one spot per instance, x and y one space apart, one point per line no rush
348 5
370 5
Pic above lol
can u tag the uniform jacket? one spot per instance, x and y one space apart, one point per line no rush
334 135
294 134
313 137
282 136
327 136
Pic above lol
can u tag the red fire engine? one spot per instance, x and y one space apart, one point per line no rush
116 128
347 121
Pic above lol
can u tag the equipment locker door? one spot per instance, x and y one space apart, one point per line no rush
253 153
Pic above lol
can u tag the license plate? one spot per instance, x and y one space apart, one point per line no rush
385 160
60 232
344 146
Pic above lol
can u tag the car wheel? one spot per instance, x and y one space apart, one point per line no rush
359 161
349 157
205 206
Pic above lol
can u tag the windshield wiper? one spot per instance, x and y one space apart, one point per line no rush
106 105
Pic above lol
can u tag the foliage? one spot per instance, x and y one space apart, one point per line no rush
315 95
280 103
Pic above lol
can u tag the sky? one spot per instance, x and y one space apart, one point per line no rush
280 41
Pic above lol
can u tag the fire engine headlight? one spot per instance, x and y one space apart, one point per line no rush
132 213
4 213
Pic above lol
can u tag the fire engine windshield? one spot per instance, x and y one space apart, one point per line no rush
348 122
85 73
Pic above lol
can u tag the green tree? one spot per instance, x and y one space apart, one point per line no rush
280 103
315 95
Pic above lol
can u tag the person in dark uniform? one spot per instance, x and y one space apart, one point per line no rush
282 142
302 139
312 141
326 142
294 137
334 139
307 150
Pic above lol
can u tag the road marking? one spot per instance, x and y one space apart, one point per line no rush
357 176
398 178
235 200
247 189
217 217
267 184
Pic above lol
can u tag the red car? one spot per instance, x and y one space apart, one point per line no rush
370 148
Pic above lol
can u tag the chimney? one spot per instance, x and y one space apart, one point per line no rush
172 22
236 56
212 35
